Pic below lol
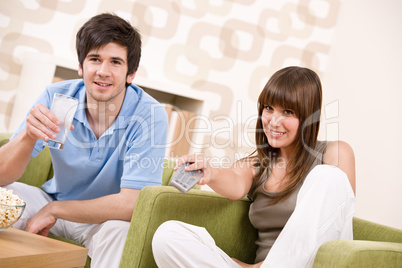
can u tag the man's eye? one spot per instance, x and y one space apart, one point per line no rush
94 59
116 62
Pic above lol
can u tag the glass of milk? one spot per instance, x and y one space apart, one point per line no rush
64 108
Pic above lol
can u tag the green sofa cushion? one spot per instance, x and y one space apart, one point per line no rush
370 231
227 221
352 253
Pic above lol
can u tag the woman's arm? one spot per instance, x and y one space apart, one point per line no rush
233 183
341 155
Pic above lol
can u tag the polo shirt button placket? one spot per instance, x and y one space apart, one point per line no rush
96 152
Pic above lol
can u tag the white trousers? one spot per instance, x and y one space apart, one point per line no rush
324 211
105 241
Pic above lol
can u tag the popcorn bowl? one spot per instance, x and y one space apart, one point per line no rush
10 214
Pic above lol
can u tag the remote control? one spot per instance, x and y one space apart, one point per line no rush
185 180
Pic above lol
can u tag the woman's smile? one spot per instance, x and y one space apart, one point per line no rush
276 134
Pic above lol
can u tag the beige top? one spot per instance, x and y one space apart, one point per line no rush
269 220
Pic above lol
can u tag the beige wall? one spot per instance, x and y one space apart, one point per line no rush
364 74
230 48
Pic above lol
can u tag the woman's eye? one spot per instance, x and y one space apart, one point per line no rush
267 107
288 112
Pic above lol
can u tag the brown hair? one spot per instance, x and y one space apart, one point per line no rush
105 28
298 89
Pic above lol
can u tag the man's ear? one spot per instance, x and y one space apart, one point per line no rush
130 78
80 70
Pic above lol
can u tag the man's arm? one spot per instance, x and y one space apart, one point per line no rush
14 158
118 206
16 154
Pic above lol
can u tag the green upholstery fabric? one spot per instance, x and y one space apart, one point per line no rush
375 245
226 220
357 253
228 223
365 230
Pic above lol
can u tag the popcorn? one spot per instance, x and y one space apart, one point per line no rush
8 213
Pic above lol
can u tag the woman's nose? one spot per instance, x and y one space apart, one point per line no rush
275 120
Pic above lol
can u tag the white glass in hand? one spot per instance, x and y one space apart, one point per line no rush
64 108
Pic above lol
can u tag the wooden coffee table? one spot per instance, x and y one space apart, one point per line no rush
22 249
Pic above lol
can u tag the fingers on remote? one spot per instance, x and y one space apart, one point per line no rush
185 180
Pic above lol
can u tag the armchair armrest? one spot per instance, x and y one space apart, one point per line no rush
357 253
226 220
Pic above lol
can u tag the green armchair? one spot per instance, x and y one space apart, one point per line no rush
374 245
227 221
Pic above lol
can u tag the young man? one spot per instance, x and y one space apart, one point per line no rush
98 174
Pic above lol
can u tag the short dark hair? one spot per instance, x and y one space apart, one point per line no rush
105 28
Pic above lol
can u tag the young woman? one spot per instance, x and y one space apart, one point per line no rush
302 189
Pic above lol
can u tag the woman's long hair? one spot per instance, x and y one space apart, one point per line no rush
298 89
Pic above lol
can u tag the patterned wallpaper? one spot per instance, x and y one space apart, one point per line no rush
226 47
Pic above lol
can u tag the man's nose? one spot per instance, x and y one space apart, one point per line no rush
104 69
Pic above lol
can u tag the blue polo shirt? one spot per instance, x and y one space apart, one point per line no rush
129 154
